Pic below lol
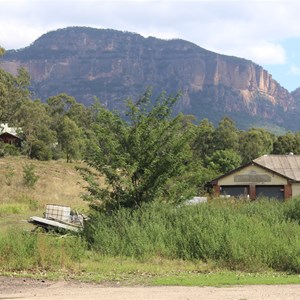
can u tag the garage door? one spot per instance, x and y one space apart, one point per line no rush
274 191
235 191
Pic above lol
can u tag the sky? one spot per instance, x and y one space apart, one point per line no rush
266 32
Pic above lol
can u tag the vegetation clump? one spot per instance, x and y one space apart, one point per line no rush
29 176
250 236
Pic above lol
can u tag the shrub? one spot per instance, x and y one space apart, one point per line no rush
9 174
7 149
40 151
29 176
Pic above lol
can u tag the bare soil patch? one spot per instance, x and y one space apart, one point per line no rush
29 289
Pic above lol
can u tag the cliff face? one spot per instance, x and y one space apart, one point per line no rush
296 94
114 65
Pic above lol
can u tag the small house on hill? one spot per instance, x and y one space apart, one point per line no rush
9 135
273 176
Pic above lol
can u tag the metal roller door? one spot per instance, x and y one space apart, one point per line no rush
235 190
270 191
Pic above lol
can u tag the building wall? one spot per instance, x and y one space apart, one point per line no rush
253 175
8 138
295 189
257 181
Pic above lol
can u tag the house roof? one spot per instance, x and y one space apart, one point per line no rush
5 129
286 165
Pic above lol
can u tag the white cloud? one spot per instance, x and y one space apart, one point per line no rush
294 70
266 53
249 29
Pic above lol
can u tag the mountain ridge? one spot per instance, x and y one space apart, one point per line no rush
114 65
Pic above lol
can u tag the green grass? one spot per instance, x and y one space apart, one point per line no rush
129 271
250 236
227 278
14 208
22 250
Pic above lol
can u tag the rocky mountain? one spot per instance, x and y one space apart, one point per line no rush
114 65
296 94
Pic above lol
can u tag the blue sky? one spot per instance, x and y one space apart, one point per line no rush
288 74
266 32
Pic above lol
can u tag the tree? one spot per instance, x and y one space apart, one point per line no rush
65 105
2 51
13 92
142 158
60 104
68 137
287 143
68 116
34 123
223 161
226 135
254 143
203 145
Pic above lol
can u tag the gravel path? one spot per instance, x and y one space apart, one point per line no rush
16 288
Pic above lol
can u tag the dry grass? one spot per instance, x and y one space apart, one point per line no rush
58 182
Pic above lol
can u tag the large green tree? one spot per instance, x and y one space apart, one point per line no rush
13 92
63 105
226 135
204 141
287 143
144 158
34 123
69 138
223 161
255 142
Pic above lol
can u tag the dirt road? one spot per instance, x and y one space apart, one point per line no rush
12 288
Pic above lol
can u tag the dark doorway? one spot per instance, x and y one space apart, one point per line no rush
270 191
235 190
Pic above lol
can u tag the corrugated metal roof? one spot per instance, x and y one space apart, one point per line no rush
286 165
11 130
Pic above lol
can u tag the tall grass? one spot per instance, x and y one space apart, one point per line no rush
21 250
248 236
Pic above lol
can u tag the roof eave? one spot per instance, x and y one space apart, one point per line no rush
252 163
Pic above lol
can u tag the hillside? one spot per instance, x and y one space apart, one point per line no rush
114 65
58 183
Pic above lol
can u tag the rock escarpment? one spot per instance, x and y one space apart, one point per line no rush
114 65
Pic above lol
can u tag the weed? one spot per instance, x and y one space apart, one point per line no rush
9 174
29 176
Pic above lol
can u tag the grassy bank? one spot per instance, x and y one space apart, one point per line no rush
58 183
221 242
